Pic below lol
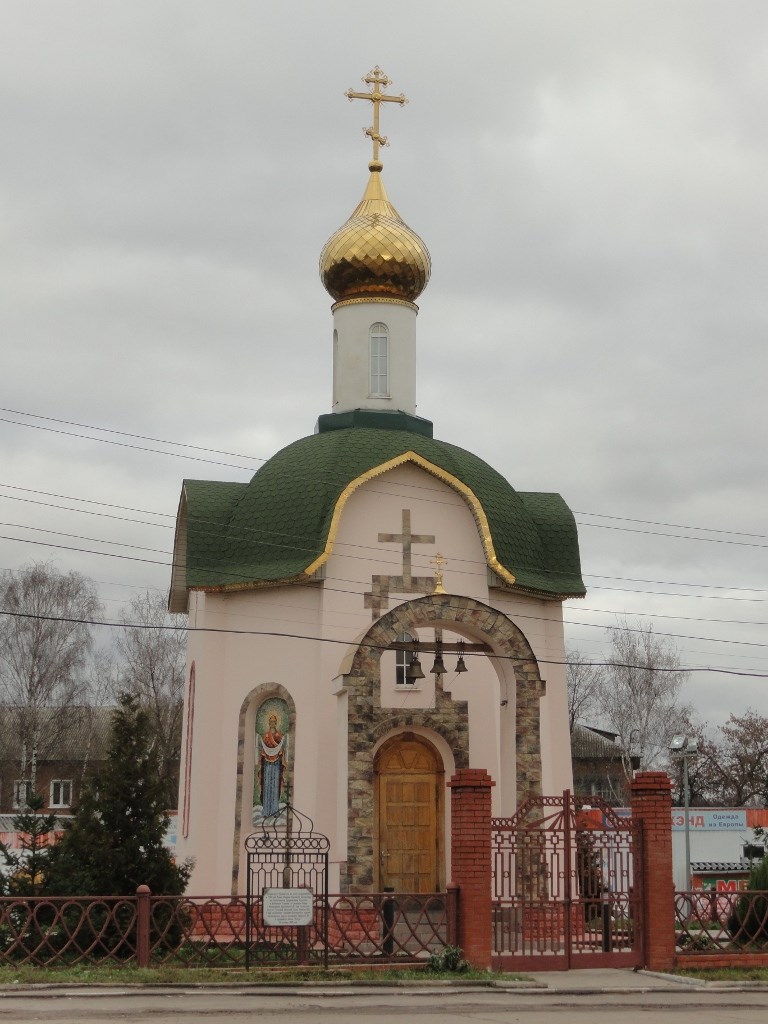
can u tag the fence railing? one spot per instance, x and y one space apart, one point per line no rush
146 930
709 922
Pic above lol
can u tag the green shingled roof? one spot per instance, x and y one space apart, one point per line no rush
275 527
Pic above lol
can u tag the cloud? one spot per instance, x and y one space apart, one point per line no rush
589 179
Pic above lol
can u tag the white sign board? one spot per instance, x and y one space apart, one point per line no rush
288 907
722 820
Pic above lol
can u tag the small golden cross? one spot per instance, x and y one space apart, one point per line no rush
378 81
438 562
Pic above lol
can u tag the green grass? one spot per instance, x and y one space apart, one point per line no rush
725 973
128 975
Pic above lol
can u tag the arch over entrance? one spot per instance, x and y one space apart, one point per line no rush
368 722
409 783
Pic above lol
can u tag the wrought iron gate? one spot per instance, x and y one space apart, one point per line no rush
566 876
287 895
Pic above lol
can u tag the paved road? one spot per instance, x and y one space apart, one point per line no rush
644 1004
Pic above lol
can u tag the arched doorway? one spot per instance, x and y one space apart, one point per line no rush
409 780
519 733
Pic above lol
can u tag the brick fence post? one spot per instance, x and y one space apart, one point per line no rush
651 803
471 862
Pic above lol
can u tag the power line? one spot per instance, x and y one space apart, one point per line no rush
671 526
682 618
256 458
294 538
359 593
668 583
87 511
379 647
77 536
124 444
125 433
540 636
699 597
85 501
679 536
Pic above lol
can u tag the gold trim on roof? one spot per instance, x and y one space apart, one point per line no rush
467 493
378 300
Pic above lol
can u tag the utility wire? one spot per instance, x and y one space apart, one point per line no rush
124 444
254 458
571 622
292 538
124 433
243 578
379 647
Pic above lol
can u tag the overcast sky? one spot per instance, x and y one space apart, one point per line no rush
590 179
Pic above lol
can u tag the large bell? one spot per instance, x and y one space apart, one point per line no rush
414 670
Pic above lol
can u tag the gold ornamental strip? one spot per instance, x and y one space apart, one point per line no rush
377 300
458 485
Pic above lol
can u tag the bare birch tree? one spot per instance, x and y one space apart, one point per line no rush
583 686
45 644
151 648
638 694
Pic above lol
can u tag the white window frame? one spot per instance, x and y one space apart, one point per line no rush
402 661
17 784
61 802
378 356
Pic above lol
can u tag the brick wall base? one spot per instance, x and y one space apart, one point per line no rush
543 928
354 926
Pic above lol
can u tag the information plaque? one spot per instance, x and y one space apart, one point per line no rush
288 907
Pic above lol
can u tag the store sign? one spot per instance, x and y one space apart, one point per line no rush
724 884
722 820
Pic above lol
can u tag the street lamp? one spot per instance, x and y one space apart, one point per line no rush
683 748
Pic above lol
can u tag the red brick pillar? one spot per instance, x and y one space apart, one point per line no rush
471 862
651 802
143 915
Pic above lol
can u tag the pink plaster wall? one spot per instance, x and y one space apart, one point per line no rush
332 616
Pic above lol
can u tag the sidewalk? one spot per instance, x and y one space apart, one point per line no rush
543 983
603 980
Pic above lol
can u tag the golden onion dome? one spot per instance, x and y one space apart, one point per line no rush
375 255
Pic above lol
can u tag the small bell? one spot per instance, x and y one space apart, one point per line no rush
438 669
460 666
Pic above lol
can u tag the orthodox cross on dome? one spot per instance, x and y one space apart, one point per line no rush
406 583
378 82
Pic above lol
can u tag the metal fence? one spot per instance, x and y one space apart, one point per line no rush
152 931
709 922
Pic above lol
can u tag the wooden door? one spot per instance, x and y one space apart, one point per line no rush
409 783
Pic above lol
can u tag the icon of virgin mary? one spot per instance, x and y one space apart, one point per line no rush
271 768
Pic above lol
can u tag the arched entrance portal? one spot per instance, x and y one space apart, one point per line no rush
517 730
408 815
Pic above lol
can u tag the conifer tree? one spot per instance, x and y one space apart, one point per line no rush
27 872
114 842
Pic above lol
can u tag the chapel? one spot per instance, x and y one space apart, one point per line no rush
374 610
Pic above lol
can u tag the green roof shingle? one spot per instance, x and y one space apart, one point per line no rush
273 528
